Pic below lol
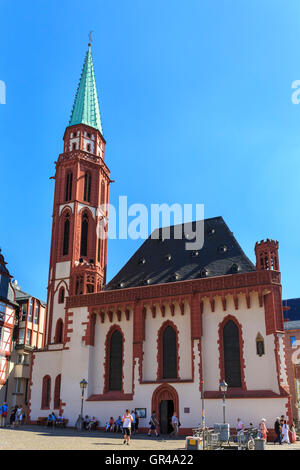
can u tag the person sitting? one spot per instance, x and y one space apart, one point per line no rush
110 426
86 422
118 425
92 423
50 420
60 420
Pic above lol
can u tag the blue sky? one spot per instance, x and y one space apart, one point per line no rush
196 107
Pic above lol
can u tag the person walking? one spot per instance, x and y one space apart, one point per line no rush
133 422
263 429
174 423
4 413
12 418
127 420
277 427
285 432
293 433
1 409
153 424
136 426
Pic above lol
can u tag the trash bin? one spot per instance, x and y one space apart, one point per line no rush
223 430
259 444
193 443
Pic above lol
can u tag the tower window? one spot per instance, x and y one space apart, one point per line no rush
66 236
87 187
169 343
69 179
84 235
88 147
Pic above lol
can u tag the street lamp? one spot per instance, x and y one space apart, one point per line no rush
83 385
223 387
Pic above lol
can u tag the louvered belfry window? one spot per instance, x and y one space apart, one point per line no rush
232 359
69 179
66 236
84 235
115 361
87 187
169 341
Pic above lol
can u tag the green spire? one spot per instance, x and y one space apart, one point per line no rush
86 108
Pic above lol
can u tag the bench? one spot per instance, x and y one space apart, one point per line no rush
42 420
62 424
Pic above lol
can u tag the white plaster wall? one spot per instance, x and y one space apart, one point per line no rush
152 326
45 363
62 270
260 372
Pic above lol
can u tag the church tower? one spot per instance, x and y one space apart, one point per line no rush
78 253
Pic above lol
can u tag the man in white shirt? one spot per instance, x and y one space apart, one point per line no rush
127 420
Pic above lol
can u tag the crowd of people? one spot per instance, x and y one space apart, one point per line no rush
284 432
15 418
128 424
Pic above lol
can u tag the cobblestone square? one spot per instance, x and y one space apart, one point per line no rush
42 438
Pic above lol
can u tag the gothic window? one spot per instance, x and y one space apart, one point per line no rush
232 361
169 344
59 331
84 235
98 250
69 179
115 361
102 197
57 392
61 295
46 392
87 187
66 235
260 345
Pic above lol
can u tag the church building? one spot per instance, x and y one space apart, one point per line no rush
170 326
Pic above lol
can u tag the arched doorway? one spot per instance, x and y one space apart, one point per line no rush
164 402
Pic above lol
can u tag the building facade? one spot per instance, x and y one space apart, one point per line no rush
170 326
29 334
7 322
292 339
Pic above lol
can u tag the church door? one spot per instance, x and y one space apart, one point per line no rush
166 410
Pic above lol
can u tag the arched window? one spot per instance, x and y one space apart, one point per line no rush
102 195
61 295
169 353
57 392
232 360
68 193
46 392
87 187
84 235
66 235
58 338
115 361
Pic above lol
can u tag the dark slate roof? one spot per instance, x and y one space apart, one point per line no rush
21 295
164 260
293 314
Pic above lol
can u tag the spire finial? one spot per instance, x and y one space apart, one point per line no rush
90 38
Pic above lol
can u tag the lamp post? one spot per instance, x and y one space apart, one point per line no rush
203 411
223 387
83 385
